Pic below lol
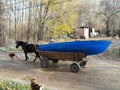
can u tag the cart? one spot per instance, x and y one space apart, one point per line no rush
76 58
74 51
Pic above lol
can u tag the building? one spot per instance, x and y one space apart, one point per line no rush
86 32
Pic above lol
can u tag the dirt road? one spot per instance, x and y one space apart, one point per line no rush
99 73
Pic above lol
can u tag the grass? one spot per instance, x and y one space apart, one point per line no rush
11 85
14 49
3 49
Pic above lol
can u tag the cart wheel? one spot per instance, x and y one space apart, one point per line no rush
44 63
83 63
55 61
74 68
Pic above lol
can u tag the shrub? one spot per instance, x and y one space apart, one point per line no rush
11 85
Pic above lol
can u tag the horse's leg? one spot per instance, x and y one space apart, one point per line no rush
26 56
37 56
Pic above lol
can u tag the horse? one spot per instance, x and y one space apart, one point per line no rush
28 48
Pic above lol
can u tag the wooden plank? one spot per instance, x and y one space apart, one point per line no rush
69 56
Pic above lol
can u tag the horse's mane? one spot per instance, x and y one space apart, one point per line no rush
21 42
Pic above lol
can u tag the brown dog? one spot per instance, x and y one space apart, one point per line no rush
12 56
34 85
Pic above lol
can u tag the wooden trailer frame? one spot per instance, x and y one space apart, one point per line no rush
77 58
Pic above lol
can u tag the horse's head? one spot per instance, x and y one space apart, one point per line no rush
20 43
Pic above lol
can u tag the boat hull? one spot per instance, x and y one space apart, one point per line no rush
90 47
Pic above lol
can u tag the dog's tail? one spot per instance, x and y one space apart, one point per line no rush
41 87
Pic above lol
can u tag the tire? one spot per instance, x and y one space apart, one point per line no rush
55 61
44 63
83 63
74 68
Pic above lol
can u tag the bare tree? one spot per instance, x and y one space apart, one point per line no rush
109 9
2 40
34 15
29 20
86 10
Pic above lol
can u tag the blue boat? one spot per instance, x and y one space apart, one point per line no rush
90 47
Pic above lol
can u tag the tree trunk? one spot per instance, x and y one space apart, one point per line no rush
2 38
107 28
41 32
29 21
22 28
15 22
